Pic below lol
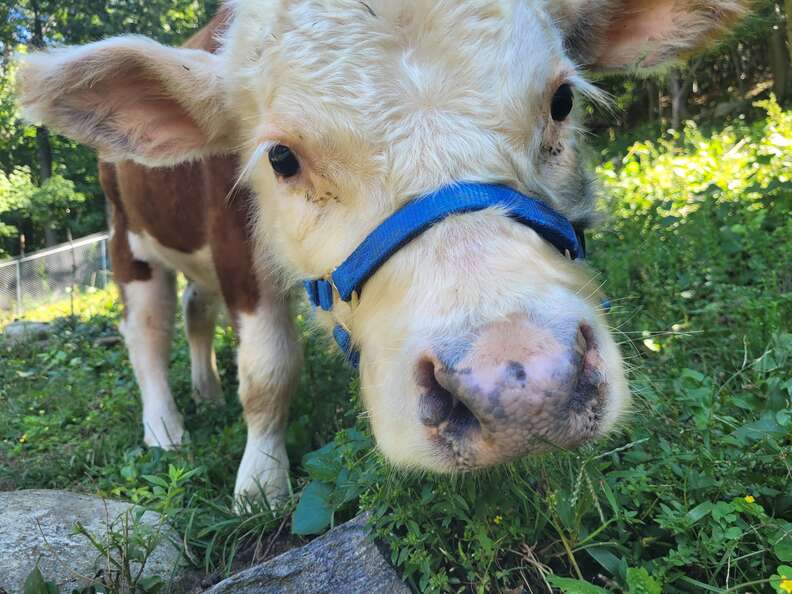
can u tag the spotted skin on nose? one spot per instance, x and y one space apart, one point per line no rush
551 398
516 370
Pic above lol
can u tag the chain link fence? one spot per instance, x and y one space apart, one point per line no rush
48 275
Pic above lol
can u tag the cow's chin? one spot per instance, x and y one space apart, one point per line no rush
490 406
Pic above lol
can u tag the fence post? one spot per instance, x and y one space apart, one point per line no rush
73 271
103 249
19 286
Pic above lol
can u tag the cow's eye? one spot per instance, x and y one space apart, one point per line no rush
283 161
562 103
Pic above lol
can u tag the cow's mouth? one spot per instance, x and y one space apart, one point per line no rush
513 418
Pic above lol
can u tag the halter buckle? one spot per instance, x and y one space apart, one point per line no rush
354 298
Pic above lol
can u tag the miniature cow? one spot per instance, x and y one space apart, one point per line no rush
478 340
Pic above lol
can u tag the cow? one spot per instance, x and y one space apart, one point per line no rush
314 132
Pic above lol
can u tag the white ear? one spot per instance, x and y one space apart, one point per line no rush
642 35
131 98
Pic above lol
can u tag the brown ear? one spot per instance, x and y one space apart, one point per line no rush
131 98
642 35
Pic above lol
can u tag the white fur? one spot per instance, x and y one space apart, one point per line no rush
147 328
200 315
418 108
197 266
267 360
264 468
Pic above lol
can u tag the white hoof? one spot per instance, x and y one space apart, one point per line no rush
208 390
164 430
264 470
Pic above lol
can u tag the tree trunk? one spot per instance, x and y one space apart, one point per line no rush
651 101
788 14
678 99
738 72
779 63
44 151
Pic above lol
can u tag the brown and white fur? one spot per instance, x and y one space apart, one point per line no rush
190 218
479 342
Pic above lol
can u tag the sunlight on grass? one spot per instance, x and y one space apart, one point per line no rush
84 305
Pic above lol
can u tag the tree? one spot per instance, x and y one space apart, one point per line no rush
781 52
30 24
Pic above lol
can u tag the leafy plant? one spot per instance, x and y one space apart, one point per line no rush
36 584
339 474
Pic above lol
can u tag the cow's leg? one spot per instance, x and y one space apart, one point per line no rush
201 307
268 354
268 362
148 330
149 294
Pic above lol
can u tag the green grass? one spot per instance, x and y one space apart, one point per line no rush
693 495
72 421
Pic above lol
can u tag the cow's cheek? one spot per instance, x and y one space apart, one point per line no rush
389 397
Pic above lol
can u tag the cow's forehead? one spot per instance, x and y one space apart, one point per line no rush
443 82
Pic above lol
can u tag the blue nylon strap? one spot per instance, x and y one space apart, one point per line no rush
320 293
419 215
344 342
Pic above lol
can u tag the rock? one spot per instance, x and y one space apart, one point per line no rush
38 524
107 341
20 331
729 107
343 560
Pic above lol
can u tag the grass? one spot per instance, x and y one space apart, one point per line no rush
71 421
694 495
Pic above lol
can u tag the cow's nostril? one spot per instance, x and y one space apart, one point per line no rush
438 405
461 420
586 379
436 402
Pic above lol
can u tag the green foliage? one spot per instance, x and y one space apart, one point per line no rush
23 200
74 166
126 548
675 176
36 584
127 543
339 474
782 580
71 420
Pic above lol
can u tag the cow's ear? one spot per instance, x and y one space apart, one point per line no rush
642 35
130 98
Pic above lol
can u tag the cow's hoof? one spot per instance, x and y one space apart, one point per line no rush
208 390
263 472
163 431
271 488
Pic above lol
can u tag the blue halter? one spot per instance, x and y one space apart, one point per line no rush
415 217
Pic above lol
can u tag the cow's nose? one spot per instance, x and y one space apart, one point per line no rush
520 386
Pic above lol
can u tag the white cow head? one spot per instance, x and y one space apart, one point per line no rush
479 341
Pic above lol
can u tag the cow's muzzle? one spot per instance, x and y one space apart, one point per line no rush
520 387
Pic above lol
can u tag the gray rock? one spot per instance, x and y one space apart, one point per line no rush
107 341
38 524
729 107
345 560
20 331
